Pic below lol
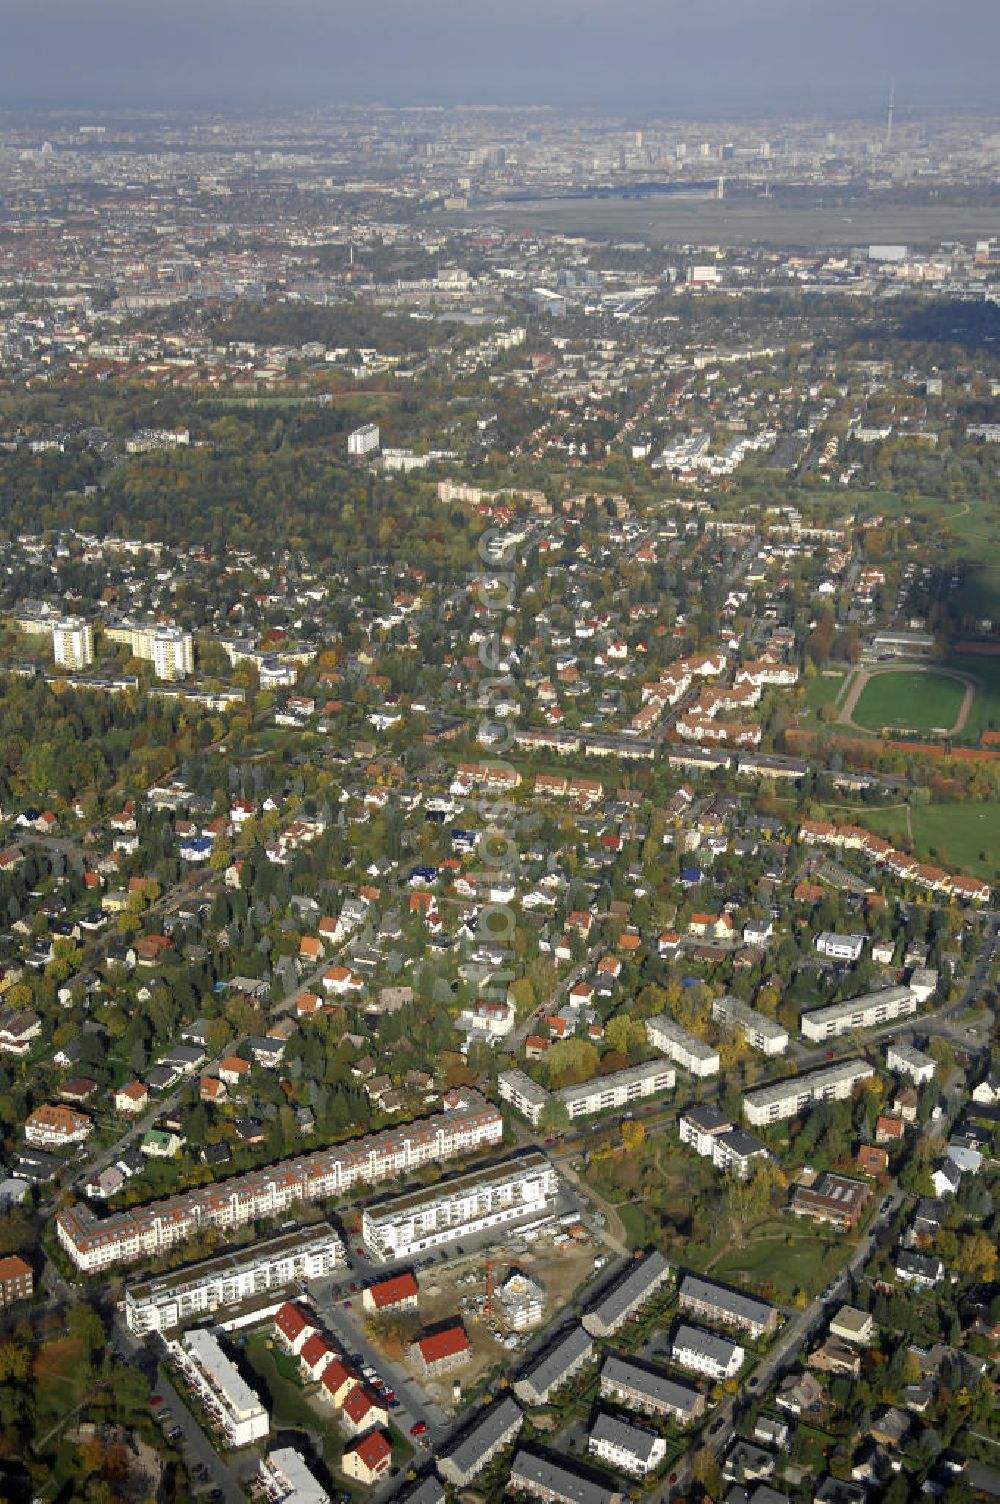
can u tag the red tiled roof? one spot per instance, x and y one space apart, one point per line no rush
441 1345
389 1292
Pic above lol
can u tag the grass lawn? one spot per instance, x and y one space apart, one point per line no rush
985 671
823 690
636 1224
775 1267
287 1402
963 836
919 701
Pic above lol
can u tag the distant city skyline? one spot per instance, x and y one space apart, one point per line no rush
720 58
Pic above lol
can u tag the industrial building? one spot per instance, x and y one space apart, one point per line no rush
185 1295
520 1189
859 1013
784 1099
682 1048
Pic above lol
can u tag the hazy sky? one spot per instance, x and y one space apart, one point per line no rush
670 56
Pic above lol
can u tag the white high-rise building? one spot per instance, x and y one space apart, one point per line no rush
363 440
73 642
173 654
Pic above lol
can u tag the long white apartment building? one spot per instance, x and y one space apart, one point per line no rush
525 1188
72 642
787 1098
859 1013
227 1397
759 1032
468 1123
692 1054
602 1094
619 1089
186 1295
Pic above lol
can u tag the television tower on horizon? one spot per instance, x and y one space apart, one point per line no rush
892 111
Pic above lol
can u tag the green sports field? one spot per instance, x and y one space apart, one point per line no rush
911 700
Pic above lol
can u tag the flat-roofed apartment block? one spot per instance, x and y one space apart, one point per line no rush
832 1199
556 1366
221 1388
759 1032
185 1295
468 1123
787 1098
712 1302
637 1387
285 1478
682 1048
496 1426
859 1013
619 1089
553 1483
703 1352
520 1189
909 1061
637 1284
524 1095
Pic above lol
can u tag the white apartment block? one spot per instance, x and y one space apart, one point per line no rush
285 1478
173 654
186 1295
681 1047
759 1032
523 1094
840 947
858 1013
363 440
785 1099
619 1089
227 1397
73 642
468 1123
168 649
908 1061
520 1189
627 1448
703 1352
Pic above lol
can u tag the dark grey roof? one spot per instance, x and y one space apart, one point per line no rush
648 1382
558 1359
637 1284
562 1482
745 1307
471 1451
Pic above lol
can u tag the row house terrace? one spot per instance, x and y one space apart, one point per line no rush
468 1123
